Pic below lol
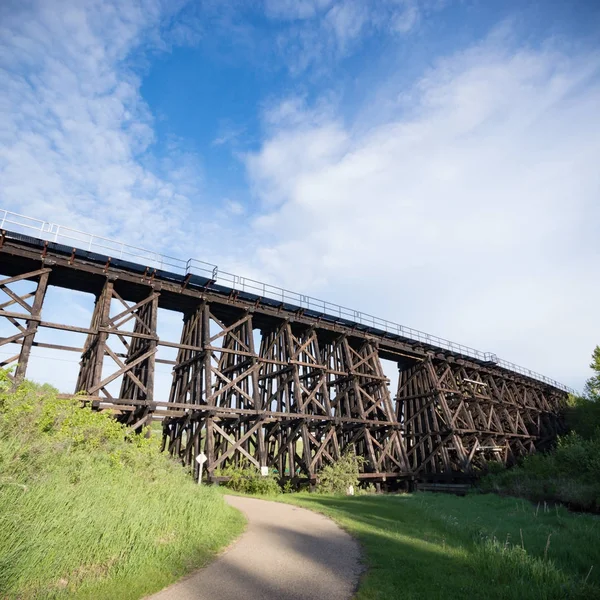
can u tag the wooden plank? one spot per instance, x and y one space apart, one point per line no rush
30 275
120 372
16 298
32 327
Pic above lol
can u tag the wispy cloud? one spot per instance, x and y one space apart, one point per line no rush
470 211
320 32
76 128
290 10
229 134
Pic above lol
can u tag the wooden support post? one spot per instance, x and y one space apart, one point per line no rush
32 326
208 388
138 367
92 358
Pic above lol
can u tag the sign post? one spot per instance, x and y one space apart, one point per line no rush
200 459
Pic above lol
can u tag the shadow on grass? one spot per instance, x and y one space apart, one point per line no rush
415 550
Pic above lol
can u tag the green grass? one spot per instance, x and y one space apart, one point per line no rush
479 546
85 513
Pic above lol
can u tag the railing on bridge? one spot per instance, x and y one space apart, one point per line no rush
93 243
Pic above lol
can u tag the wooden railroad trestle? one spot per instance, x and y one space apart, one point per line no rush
256 383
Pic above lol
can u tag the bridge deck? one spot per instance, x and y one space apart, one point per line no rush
84 271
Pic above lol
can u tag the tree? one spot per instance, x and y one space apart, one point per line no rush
592 385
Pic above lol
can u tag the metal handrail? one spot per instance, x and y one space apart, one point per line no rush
93 243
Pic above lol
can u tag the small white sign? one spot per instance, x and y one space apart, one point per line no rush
201 458
264 471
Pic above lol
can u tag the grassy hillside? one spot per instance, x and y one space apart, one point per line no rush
89 512
430 546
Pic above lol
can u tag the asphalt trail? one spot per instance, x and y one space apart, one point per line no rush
286 553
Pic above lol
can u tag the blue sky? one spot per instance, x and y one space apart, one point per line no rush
433 162
212 94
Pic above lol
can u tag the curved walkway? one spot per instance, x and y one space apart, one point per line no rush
286 553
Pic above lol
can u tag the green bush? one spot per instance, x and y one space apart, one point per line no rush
592 385
366 490
337 477
247 479
288 487
570 474
583 416
494 467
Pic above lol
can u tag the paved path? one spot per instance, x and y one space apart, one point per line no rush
286 553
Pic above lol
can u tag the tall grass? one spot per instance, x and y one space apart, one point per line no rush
89 511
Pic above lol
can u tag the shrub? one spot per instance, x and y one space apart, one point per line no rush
337 477
366 490
247 479
583 416
494 467
288 487
570 474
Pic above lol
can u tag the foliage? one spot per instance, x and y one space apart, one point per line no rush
247 479
570 473
90 510
583 416
494 467
584 412
337 477
592 386
479 546
288 487
366 489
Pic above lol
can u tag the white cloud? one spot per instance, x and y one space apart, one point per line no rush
76 129
347 20
320 32
234 207
295 9
406 19
229 134
470 212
